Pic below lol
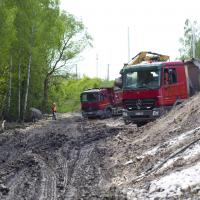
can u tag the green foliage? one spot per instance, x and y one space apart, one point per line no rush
191 32
74 39
7 36
66 93
35 29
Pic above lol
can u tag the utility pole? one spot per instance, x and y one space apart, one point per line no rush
108 73
128 45
97 60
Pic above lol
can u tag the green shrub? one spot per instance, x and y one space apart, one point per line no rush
66 92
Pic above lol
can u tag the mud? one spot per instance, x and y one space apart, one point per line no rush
54 160
73 158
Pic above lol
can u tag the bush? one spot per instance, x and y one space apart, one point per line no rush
66 92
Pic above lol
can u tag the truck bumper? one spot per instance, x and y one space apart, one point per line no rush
142 115
97 113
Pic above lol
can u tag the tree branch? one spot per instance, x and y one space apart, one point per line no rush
60 56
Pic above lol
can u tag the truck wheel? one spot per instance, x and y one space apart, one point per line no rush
103 115
126 122
108 112
139 124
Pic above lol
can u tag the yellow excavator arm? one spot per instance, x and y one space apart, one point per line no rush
149 57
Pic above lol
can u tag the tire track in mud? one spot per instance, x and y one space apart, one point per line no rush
59 160
79 159
48 180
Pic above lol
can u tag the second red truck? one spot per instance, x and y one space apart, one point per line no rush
101 102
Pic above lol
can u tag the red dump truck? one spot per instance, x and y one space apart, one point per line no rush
101 102
150 89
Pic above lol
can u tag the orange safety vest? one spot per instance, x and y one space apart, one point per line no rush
53 108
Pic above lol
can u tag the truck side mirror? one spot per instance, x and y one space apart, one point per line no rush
118 82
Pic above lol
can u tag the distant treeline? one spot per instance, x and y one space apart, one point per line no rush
190 42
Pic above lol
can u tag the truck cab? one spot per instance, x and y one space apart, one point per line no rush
151 89
100 102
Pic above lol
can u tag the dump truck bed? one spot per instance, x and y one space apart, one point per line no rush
192 69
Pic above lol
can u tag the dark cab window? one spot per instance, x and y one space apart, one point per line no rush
170 76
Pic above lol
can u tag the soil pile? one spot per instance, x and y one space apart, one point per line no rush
160 160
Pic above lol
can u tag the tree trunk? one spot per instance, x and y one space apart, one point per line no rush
10 86
28 74
3 107
46 92
19 91
27 85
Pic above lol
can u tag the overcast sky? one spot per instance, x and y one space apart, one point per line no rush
154 25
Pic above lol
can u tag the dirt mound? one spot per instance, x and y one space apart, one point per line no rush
160 160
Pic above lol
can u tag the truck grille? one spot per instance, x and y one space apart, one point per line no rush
139 104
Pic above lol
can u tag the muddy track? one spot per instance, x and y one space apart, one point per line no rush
54 160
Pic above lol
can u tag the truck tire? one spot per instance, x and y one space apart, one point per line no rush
103 115
139 124
108 112
126 122
177 102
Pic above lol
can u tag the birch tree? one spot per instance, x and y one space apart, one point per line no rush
10 84
74 39
19 88
190 40
7 36
28 72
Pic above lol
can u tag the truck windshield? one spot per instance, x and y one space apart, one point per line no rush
90 97
143 78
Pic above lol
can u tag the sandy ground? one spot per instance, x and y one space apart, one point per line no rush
74 158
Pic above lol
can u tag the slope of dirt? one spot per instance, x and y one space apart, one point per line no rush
73 158
161 160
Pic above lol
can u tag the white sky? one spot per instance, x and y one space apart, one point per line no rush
155 25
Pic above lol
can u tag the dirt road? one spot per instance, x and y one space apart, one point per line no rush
72 158
54 160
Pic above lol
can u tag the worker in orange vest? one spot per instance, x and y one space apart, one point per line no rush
53 109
